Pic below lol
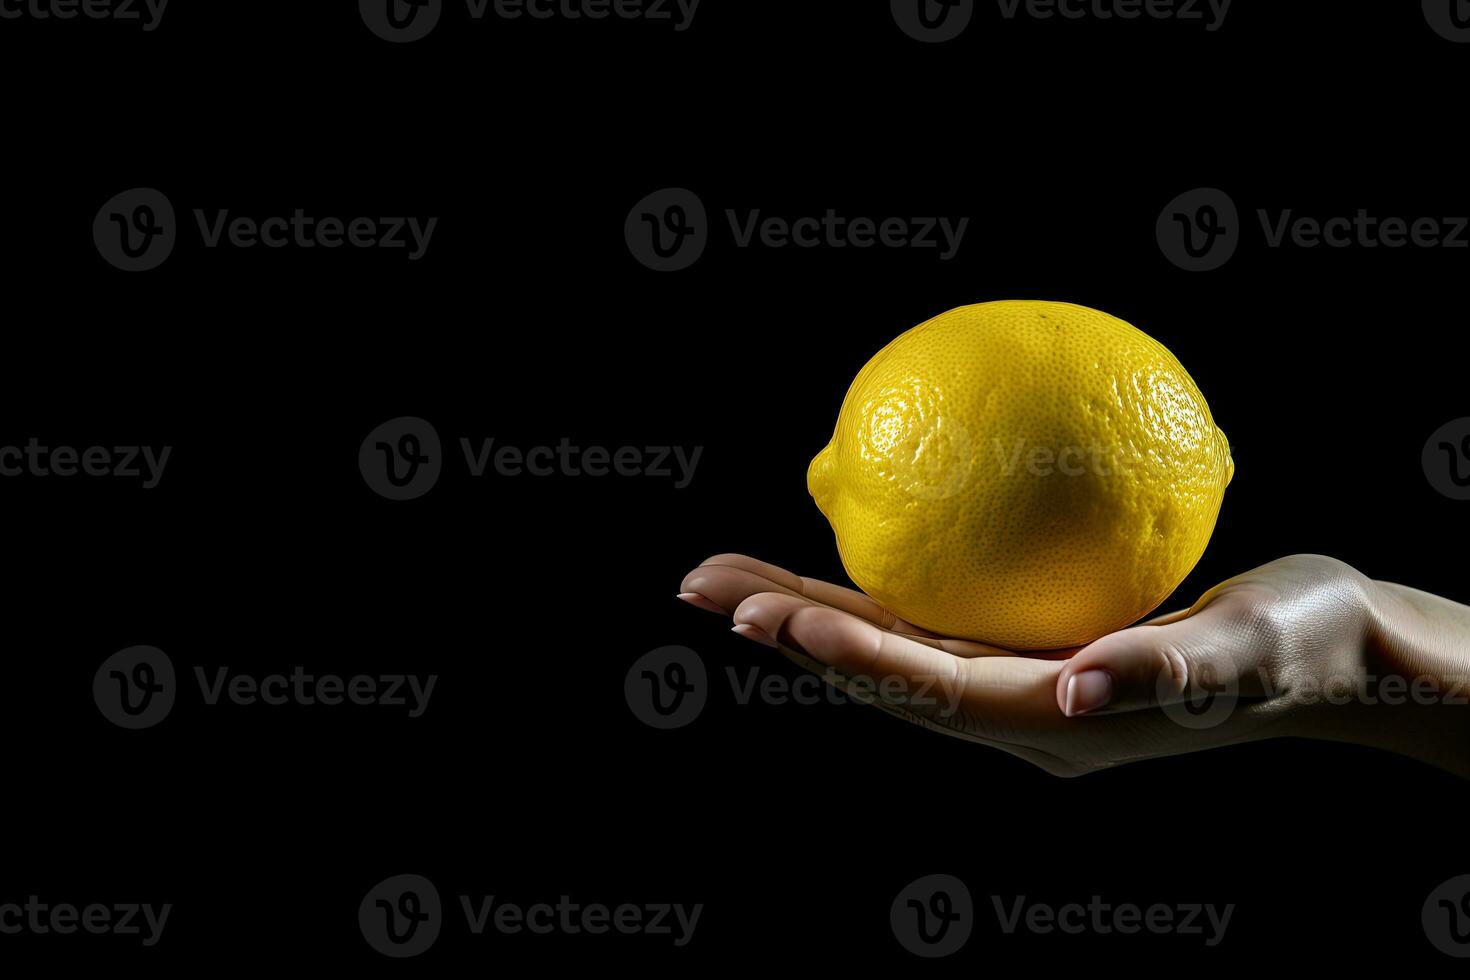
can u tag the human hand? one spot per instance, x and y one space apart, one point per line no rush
1303 646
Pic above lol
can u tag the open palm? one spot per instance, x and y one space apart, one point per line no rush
1135 694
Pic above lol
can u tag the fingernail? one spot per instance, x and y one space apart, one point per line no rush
1088 691
754 633
695 599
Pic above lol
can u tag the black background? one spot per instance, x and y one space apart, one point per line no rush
528 777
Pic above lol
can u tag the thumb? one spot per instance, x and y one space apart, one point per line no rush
1178 660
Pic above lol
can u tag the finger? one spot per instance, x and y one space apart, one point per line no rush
699 601
980 695
765 605
890 666
1008 703
1178 660
772 608
771 573
826 593
726 586
859 604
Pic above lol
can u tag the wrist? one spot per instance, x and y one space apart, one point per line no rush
1415 645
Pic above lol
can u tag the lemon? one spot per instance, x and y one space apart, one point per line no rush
1029 474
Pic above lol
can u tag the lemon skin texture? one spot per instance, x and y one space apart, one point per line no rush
1029 474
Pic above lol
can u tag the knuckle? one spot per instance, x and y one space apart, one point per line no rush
1270 627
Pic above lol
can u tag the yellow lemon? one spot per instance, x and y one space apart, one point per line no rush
1029 474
